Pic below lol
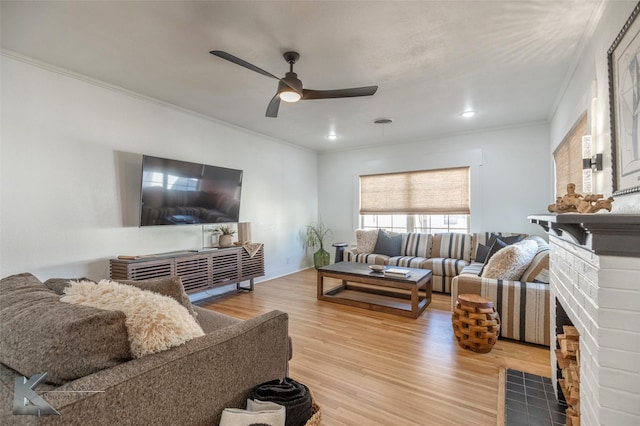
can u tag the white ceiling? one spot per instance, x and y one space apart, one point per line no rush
508 60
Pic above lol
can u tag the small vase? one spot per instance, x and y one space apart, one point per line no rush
225 240
321 258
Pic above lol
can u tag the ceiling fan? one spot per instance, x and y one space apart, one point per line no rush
290 87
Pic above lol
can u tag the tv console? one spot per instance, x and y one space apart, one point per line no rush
198 270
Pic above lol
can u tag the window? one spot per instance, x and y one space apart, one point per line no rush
420 201
416 223
568 158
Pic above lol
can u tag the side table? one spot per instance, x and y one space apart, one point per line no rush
476 323
339 251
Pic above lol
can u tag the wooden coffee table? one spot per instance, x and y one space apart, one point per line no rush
364 288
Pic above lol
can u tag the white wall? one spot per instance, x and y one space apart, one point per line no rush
591 72
510 176
70 157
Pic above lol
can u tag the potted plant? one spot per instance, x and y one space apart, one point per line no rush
226 239
315 236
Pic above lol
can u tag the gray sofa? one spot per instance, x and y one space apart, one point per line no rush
188 384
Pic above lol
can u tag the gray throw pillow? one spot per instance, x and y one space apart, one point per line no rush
40 334
507 240
388 245
57 285
495 247
168 286
482 252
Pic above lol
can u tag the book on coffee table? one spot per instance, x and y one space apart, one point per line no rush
397 272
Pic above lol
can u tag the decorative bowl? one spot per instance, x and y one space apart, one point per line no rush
376 268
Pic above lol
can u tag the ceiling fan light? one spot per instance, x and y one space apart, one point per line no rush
290 96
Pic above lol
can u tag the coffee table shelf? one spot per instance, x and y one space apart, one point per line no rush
363 288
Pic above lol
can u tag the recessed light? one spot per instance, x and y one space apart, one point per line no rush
468 114
332 136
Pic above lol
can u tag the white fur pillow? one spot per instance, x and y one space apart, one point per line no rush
510 262
366 240
154 322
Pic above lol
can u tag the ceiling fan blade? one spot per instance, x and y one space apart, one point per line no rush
229 57
339 93
272 108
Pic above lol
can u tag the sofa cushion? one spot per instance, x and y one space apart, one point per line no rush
370 258
507 239
366 240
452 245
484 237
473 268
167 286
445 267
57 285
416 244
387 244
154 322
41 334
510 262
497 245
482 252
538 270
408 261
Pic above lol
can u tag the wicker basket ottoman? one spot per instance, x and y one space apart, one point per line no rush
476 323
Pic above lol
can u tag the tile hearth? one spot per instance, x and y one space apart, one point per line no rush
531 401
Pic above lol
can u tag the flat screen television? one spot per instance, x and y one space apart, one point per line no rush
177 192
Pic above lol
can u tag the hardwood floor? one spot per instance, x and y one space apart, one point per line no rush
371 368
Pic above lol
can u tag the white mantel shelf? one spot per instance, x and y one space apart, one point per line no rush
603 233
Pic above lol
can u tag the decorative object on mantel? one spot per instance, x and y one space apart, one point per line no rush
315 236
577 203
226 239
624 107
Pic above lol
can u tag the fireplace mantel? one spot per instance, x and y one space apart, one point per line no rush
605 234
594 271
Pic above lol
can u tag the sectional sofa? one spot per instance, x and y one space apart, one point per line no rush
523 303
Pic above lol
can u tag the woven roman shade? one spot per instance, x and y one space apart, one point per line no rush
442 191
568 158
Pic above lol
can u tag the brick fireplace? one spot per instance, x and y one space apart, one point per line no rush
595 278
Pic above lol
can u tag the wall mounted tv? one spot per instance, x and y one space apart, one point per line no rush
179 193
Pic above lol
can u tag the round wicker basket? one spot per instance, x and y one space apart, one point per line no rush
315 419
